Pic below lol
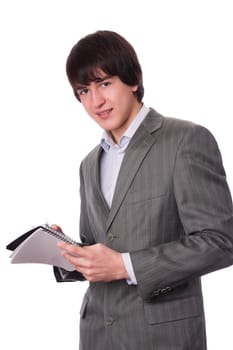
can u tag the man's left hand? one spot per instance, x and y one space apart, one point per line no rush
97 262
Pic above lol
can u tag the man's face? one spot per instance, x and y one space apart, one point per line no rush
110 102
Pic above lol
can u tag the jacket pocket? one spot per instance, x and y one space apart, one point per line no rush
173 310
143 196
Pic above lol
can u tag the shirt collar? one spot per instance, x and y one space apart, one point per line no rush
107 141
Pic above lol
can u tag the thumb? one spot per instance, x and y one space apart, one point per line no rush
57 228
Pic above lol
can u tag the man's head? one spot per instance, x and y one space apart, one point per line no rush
108 52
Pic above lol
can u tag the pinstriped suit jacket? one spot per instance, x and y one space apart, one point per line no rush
172 210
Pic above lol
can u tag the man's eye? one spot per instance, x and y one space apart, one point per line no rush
83 92
105 83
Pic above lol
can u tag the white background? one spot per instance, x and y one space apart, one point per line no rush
185 48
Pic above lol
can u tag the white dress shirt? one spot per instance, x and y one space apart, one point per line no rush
110 164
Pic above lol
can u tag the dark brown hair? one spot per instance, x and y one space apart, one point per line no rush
106 51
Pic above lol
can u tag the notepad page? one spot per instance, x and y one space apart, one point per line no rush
40 248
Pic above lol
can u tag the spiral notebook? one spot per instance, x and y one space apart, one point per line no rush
39 245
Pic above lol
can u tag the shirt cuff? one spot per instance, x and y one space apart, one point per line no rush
129 268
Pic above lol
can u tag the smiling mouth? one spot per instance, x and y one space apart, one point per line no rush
104 114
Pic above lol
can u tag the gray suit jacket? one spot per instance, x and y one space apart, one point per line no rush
172 210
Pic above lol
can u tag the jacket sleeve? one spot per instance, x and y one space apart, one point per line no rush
205 209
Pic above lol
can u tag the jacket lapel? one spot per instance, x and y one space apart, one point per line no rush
137 150
99 198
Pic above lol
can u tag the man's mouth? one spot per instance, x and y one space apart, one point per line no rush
105 113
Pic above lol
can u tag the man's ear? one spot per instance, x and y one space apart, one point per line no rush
134 88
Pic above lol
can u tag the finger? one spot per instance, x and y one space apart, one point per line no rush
71 249
57 228
80 264
62 245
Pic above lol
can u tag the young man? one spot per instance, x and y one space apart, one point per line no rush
155 207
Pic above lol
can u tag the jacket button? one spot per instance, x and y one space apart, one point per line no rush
109 321
166 290
156 292
110 237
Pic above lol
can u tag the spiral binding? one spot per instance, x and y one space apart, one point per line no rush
59 235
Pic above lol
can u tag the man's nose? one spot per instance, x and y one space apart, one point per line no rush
97 98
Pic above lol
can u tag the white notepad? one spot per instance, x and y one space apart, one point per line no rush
39 245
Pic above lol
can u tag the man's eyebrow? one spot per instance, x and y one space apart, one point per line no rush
100 79
96 80
80 87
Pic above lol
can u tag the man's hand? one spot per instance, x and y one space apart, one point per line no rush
57 228
97 262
